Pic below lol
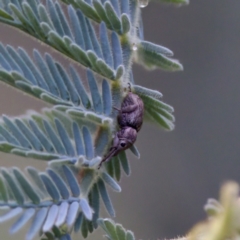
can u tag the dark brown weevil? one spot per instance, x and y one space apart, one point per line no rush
130 121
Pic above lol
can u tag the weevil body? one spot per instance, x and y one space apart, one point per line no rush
130 121
131 112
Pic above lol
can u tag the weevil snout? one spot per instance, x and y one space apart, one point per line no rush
124 139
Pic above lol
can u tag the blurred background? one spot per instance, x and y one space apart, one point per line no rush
178 170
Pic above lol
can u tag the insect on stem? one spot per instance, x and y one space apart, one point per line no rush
130 119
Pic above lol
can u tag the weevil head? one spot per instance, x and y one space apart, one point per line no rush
123 139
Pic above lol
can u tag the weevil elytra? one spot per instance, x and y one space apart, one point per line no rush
131 112
130 119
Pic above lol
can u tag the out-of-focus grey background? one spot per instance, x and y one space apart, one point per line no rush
178 170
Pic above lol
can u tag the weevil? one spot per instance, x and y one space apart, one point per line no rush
130 119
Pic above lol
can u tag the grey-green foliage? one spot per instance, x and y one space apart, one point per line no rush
54 198
102 38
115 231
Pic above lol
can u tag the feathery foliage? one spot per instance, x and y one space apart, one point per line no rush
101 38
115 231
54 198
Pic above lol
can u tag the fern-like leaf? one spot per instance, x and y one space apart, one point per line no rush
156 56
110 12
54 198
54 85
156 110
115 231
49 81
48 138
50 25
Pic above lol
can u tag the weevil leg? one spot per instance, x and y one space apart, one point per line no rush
117 109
